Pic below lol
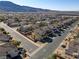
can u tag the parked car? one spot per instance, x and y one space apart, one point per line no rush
61 29
21 50
46 39
56 31
52 35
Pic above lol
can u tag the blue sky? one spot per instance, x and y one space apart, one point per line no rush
64 5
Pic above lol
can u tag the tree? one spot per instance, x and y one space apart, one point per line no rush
4 32
30 28
2 18
54 56
77 35
42 24
2 29
35 36
16 19
78 25
55 22
16 43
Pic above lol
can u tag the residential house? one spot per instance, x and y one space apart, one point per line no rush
40 33
12 23
23 23
73 49
37 34
26 29
5 38
8 51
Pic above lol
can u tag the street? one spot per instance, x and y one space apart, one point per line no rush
51 47
35 52
24 42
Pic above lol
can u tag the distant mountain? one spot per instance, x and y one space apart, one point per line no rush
12 7
7 6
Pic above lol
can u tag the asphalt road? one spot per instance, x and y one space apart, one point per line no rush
51 47
24 42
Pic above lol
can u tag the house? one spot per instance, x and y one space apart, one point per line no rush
73 49
35 26
15 24
12 23
9 21
37 35
78 56
45 28
23 23
8 50
5 38
26 29
40 33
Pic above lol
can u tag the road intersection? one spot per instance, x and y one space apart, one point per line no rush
51 47
35 51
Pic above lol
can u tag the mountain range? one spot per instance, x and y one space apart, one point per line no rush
7 6
12 7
